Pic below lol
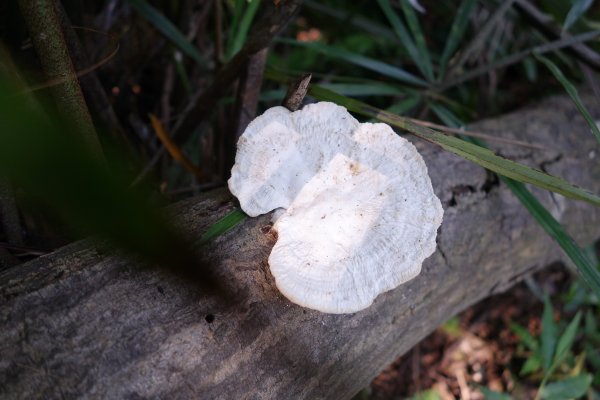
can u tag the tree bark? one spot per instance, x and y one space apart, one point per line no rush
85 322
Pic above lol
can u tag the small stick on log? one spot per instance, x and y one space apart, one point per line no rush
296 93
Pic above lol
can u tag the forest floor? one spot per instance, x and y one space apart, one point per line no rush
475 349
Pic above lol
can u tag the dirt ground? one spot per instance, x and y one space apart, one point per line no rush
475 349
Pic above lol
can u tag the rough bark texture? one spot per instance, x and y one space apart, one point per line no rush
83 322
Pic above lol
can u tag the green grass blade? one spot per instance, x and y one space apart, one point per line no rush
577 10
183 75
567 339
493 395
586 267
457 32
531 365
526 338
223 225
445 115
347 89
469 151
588 271
572 91
362 61
405 105
238 10
549 334
364 89
349 17
591 330
168 29
241 31
417 32
405 37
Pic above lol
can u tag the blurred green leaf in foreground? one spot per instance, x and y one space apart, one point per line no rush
46 159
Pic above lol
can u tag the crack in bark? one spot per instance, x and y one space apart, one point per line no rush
491 182
458 191
547 163
441 251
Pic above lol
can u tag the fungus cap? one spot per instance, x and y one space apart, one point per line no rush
360 212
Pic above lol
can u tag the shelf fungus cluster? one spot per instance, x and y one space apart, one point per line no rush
358 215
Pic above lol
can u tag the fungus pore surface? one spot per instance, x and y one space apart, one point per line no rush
360 214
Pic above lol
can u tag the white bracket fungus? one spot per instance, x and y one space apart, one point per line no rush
360 213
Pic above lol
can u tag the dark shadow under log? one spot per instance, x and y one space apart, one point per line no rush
83 322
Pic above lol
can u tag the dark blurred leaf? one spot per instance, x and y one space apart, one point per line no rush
181 71
593 356
531 70
55 169
591 330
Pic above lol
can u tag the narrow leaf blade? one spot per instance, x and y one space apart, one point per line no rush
362 61
572 91
493 395
584 264
567 339
570 388
238 10
402 34
364 89
469 151
405 105
419 37
457 31
577 10
168 29
241 32
588 271
525 336
533 364
549 334
223 225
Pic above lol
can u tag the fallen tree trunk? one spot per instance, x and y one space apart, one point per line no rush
81 322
